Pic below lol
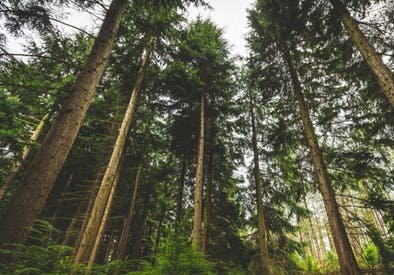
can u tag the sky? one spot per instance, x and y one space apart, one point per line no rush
229 15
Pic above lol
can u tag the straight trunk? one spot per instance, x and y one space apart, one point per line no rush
34 188
127 222
262 231
314 239
323 250
197 221
382 73
110 172
25 154
346 257
141 232
103 221
71 227
207 204
178 215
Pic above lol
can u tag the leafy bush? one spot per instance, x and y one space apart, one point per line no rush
370 256
308 264
177 257
42 256
331 263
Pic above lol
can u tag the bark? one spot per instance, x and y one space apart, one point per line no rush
197 221
25 154
179 208
104 220
207 205
127 222
262 231
34 188
346 257
95 219
382 73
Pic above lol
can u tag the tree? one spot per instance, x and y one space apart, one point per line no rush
39 178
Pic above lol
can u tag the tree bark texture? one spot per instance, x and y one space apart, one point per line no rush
346 257
34 188
111 170
25 154
262 231
197 220
382 73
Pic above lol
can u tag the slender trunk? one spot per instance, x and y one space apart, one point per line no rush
197 221
344 250
320 233
314 240
25 154
86 216
262 230
71 227
209 187
207 204
34 188
103 223
179 208
141 232
329 236
382 73
127 222
92 227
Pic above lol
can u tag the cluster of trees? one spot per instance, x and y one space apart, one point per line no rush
149 149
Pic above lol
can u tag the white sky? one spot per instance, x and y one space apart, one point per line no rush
229 15
232 17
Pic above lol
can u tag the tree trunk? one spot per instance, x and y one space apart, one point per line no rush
25 154
207 204
71 226
314 239
127 222
110 172
179 208
103 223
141 232
344 250
383 74
262 231
33 190
197 221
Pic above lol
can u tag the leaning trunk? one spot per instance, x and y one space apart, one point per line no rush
33 190
127 223
197 221
262 231
95 219
25 154
382 73
344 250
103 222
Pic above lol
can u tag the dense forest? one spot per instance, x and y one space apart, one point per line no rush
149 147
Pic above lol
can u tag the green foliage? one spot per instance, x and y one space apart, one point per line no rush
177 257
370 256
307 264
331 263
41 256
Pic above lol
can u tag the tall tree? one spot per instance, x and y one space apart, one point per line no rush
262 231
97 215
384 76
34 188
